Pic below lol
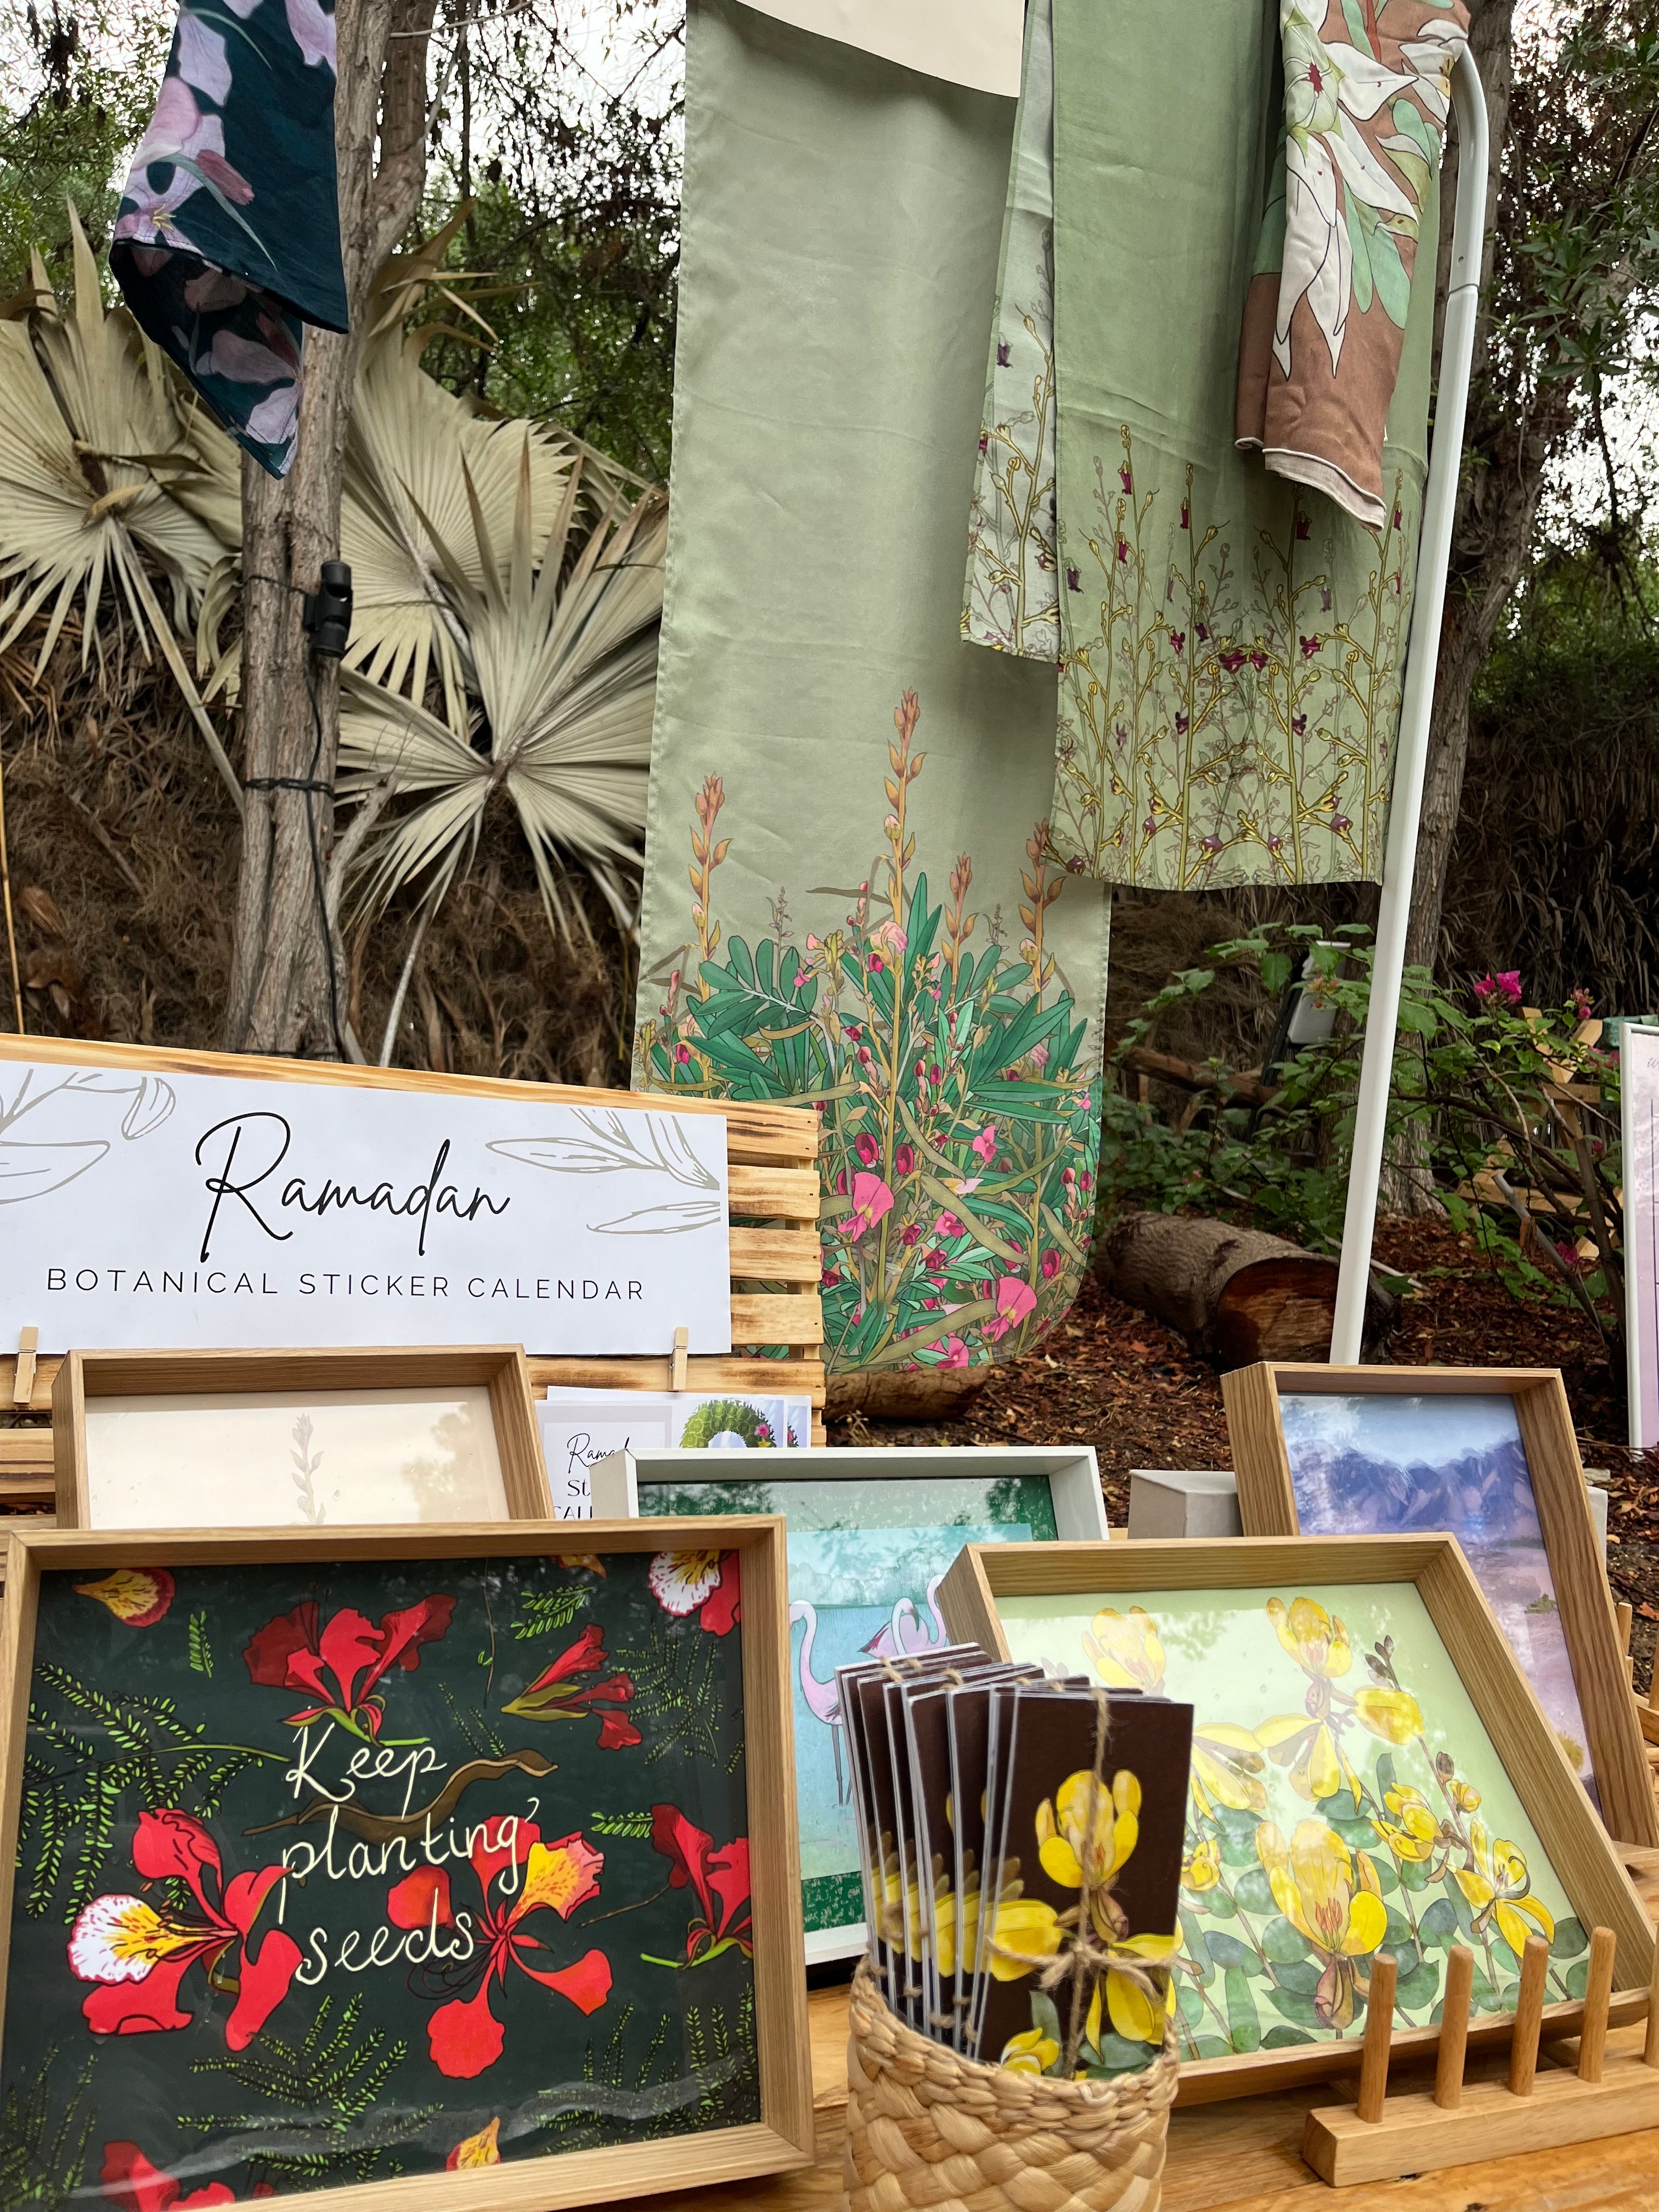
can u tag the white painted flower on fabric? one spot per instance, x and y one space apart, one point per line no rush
245 361
203 61
276 419
180 132
119 1939
1326 97
313 31
149 220
243 9
682 1581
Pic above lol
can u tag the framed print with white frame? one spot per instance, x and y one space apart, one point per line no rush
871 1534
395 1435
1488 1454
376 1875
1371 1771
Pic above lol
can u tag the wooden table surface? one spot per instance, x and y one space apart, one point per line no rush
1244 2156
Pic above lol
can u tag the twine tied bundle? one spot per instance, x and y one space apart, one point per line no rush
1087 1959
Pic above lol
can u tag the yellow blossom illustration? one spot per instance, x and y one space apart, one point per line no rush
1074 1850
1309 1743
1330 1895
1201 1868
1136 2015
1227 1763
1024 1932
1126 1651
1465 1799
1411 1826
1498 1886
1033 2052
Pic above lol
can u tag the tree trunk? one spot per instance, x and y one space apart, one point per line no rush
1492 527
1237 1295
288 991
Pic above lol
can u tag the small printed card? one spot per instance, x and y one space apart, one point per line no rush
1069 1842
579 1426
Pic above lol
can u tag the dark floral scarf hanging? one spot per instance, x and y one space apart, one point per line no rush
228 239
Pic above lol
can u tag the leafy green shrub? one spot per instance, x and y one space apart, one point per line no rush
1507 1116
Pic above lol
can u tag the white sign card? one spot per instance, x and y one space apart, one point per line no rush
138 1209
1638 1092
972 42
580 1426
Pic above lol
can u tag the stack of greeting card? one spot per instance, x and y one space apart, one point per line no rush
1021 1841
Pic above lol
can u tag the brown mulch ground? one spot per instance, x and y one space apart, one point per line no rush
1113 1377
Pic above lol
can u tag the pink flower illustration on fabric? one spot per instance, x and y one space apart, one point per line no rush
955 1353
149 220
986 1143
202 60
948 1226
871 1200
1014 1300
312 33
867 1148
180 131
139 1952
276 419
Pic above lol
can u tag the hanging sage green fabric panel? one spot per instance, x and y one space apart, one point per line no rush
1231 644
848 895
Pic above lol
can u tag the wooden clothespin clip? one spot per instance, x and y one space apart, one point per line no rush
677 1370
22 1380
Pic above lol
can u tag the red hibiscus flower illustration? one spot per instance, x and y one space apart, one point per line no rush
139 1953
527 1876
703 1582
137 1596
559 1694
131 2181
341 1663
720 1878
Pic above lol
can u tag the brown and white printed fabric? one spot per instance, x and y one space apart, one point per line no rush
1367 95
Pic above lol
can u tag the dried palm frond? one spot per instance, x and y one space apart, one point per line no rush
559 662
412 448
92 453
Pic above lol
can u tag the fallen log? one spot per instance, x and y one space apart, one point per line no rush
1237 1295
926 1394
1188 1075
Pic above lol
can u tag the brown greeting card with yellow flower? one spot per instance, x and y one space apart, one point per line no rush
1345 1801
1076 1949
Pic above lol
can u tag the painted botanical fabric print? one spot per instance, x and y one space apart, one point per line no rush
849 902
953 1066
227 241
1344 1800
400 1870
1367 95
1230 688
866 1561
1011 600
1366 1466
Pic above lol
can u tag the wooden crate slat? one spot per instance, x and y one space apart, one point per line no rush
799 1377
774 1193
760 1318
776 1256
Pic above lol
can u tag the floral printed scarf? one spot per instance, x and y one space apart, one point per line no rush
1367 90
228 239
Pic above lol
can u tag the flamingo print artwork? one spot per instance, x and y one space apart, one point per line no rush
822 1697
906 1631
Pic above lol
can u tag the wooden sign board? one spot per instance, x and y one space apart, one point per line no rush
269 1439
771 1200
404 1868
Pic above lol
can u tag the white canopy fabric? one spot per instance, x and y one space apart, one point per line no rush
972 42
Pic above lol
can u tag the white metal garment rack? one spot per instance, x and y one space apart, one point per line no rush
1411 758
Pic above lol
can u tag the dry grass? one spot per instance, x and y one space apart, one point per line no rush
123 848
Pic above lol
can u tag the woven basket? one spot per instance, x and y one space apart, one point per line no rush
928 2128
